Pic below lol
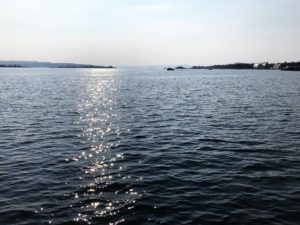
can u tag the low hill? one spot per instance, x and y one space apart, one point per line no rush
31 64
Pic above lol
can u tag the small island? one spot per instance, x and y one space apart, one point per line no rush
170 69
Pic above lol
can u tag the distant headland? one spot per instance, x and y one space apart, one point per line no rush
287 66
33 64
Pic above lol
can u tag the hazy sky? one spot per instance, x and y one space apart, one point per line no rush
144 32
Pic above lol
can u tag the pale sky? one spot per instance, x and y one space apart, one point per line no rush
144 32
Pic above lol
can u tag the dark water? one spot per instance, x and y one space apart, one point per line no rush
146 146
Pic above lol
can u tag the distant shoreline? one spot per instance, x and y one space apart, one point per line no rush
286 66
36 64
11 66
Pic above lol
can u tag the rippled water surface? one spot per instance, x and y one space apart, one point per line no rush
147 146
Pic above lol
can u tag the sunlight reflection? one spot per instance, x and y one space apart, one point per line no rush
100 72
102 162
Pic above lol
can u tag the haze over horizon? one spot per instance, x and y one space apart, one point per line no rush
150 32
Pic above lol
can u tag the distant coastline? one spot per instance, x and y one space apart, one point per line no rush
10 65
34 64
286 66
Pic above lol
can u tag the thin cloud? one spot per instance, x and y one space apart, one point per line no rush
148 8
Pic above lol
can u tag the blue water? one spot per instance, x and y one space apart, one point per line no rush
147 146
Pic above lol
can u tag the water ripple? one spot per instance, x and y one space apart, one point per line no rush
143 146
